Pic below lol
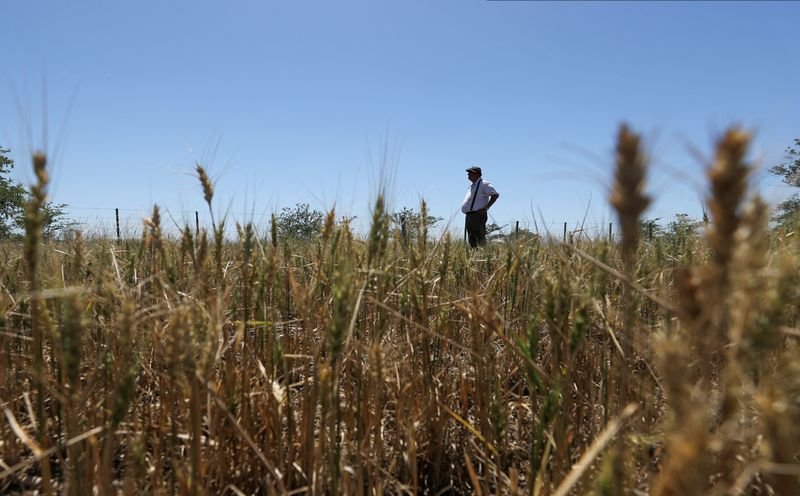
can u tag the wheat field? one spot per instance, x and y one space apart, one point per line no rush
200 364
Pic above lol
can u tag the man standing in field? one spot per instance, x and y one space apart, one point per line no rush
477 202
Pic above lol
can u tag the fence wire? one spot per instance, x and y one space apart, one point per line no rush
128 223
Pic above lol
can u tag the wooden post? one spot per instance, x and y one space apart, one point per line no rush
196 223
610 233
565 232
116 211
516 229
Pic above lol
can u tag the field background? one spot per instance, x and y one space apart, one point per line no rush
403 364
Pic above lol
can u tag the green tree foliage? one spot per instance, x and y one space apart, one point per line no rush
678 230
494 232
409 221
56 223
683 227
786 213
299 223
650 229
13 197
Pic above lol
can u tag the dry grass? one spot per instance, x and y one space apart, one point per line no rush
201 365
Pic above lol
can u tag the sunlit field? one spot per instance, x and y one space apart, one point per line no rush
403 363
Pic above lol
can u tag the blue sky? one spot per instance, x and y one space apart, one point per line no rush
315 101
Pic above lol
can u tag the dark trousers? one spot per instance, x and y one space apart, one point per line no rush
476 228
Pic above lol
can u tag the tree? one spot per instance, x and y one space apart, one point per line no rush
14 196
683 227
299 222
494 231
786 213
409 221
55 221
650 229
678 230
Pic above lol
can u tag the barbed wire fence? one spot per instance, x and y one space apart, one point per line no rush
121 223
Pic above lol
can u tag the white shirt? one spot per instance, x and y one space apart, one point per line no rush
485 191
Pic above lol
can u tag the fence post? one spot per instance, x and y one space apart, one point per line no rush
565 232
516 229
610 233
196 223
116 213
